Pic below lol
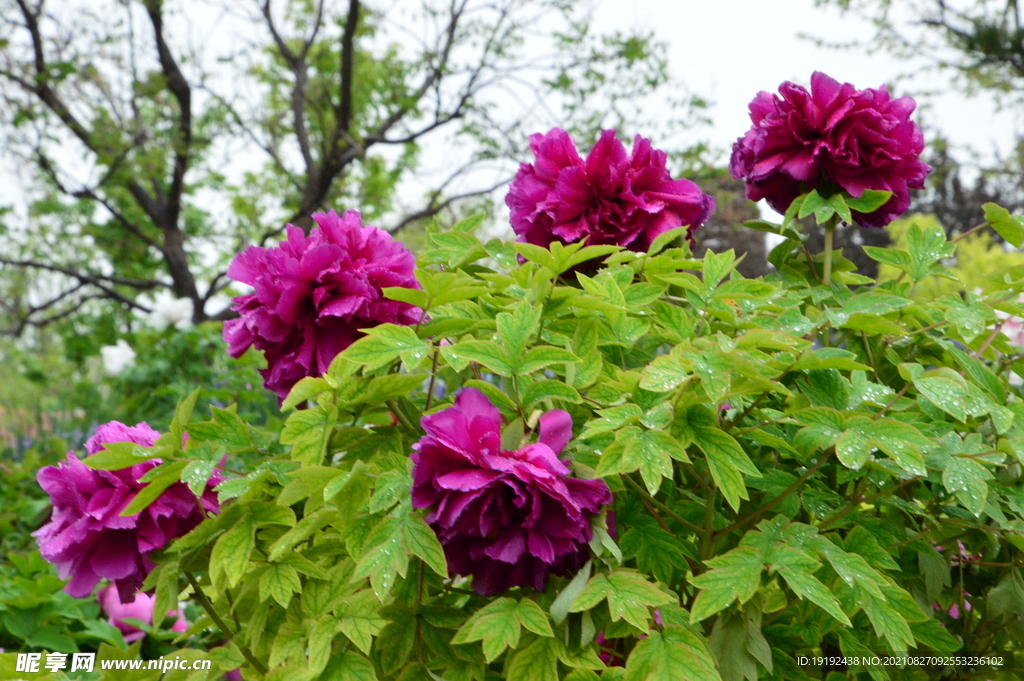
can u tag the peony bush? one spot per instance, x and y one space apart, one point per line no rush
587 455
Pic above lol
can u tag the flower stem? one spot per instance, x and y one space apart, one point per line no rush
830 228
208 607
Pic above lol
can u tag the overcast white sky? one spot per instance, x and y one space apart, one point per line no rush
728 50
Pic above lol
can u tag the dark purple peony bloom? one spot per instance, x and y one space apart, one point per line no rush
857 139
314 295
610 198
87 539
506 518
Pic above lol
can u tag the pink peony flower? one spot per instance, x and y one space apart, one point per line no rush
140 609
610 198
856 139
314 295
506 518
87 539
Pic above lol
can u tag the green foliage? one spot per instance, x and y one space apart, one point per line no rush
976 258
796 468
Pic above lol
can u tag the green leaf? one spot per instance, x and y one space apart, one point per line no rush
549 390
651 452
117 455
657 552
978 372
386 556
384 388
744 289
230 556
797 569
935 570
946 390
225 428
735 575
869 201
196 475
887 622
738 644
306 389
898 258
384 344
536 662
727 462
541 357
836 203
671 654
517 329
901 441
665 373
158 479
629 596
966 478
487 353
496 625
560 606
359 620
422 542
413 296
349 666
533 618
853 449
934 636
927 244
812 203
537 254
182 413
308 431
714 368
1008 226
666 238
280 582
716 267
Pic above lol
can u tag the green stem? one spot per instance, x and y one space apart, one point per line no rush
830 228
208 607
433 377
776 499
406 423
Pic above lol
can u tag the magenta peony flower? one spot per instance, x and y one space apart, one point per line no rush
314 295
87 539
857 139
608 199
506 518
140 609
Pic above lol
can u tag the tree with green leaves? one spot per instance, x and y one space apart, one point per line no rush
155 139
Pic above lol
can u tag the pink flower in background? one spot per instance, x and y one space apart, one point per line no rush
610 198
88 540
506 518
141 608
315 294
856 139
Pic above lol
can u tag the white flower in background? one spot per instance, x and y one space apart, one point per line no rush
170 311
117 358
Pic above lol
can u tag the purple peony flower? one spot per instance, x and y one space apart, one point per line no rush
610 198
314 295
87 539
857 139
506 518
140 609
